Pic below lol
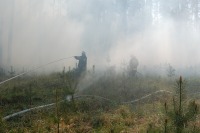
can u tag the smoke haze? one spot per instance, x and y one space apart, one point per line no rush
34 32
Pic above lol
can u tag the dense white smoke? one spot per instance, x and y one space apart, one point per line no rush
34 32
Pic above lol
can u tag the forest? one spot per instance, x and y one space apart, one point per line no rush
140 74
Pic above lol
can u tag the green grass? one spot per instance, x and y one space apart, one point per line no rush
91 114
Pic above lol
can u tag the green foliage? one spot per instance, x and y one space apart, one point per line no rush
180 115
91 114
2 125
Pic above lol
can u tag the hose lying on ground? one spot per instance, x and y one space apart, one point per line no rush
139 99
76 97
90 96
26 110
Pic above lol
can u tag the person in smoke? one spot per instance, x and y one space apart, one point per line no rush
82 64
133 64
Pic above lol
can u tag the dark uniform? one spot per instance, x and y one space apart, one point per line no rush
82 64
133 64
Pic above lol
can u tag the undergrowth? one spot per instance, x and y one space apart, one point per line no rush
96 115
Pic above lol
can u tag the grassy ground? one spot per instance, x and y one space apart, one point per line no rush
93 114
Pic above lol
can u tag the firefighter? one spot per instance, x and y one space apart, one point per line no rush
133 64
82 64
